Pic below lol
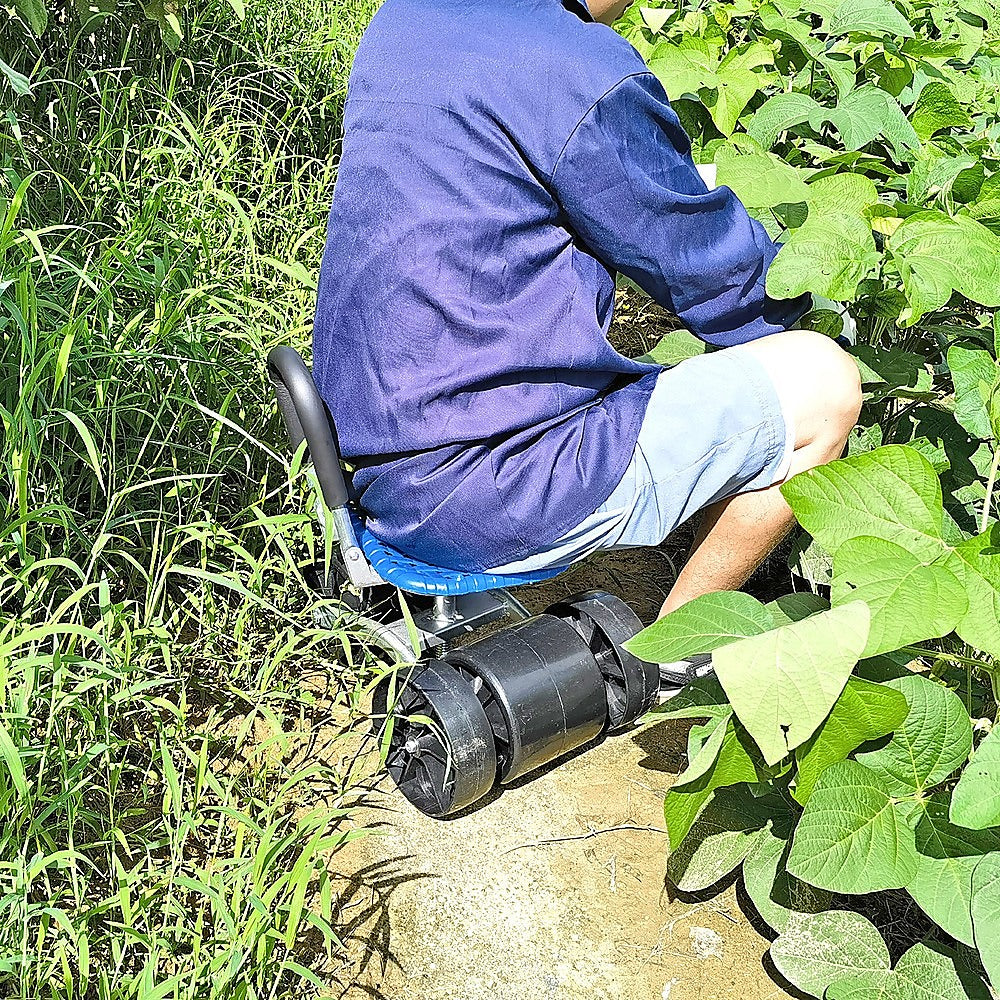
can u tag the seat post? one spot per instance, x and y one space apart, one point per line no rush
445 611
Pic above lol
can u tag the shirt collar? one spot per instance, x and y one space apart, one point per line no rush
578 7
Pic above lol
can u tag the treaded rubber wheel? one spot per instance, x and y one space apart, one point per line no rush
445 764
539 687
605 622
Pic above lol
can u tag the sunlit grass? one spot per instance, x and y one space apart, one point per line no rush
160 228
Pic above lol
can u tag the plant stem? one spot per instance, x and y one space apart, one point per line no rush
989 490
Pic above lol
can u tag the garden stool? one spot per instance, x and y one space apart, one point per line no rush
464 717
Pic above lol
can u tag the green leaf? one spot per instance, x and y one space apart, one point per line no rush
33 13
894 372
736 86
851 838
703 698
829 256
817 950
759 180
986 914
969 367
18 81
975 802
864 711
775 894
937 254
934 739
937 108
891 493
976 562
673 348
923 973
910 600
778 113
725 833
935 176
867 113
783 683
684 68
946 858
700 626
722 761
841 194
795 607
872 17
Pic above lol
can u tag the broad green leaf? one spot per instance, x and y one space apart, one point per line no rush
673 348
975 802
923 973
864 711
728 760
910 600
851 838
33 13
936 108
828 255
933 740
759 180
725 833
873 17
986 914
775 894
841 194
946 857
795 607
976 562
736 86
778 113
703 698
783 683
935 176
937 254
969 367
817 950
810 560
867 113
707 753
894 372
684 68
700 626
891 493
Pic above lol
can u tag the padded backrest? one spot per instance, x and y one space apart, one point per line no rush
307 416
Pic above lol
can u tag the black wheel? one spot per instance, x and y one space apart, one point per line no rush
539 687
441 752
605 622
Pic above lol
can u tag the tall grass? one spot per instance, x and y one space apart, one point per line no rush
160 228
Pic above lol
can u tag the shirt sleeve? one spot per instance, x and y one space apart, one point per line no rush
629 188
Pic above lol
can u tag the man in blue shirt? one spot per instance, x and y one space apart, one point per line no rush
502 161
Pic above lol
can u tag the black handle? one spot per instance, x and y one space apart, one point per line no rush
307 416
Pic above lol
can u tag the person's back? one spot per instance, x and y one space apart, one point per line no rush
468 281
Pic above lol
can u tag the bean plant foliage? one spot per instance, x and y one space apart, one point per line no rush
846 744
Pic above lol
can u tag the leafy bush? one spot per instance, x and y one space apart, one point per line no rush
848 744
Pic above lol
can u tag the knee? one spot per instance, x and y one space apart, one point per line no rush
817 382
833 379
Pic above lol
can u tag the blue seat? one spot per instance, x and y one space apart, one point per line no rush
416 577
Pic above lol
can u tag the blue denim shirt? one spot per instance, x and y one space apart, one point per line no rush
502 160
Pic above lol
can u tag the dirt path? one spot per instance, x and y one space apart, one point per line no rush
535 895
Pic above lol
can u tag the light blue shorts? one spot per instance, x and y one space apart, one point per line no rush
713 428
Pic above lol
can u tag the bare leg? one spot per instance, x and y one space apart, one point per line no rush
820 392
